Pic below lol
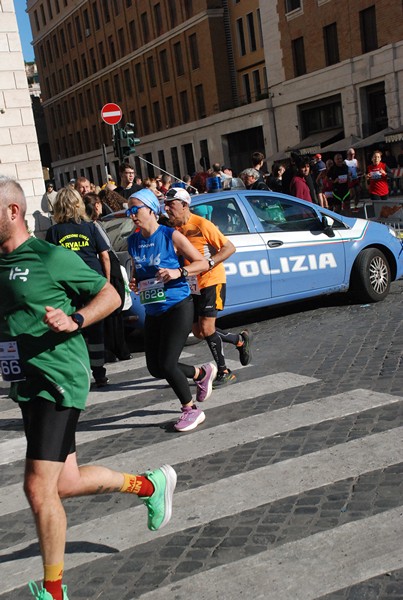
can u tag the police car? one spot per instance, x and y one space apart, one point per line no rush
288 250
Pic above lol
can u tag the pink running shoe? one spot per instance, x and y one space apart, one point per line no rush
205 385
190 418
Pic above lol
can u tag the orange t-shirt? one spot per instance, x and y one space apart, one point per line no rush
208 240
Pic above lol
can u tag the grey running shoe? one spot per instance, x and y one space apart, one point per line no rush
205 385
245 351
223 379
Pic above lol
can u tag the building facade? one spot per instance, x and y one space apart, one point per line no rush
19 151
214 80
335 69
189 74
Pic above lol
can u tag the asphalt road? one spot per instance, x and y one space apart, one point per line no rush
291 489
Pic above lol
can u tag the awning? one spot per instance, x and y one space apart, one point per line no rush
375 138
394 136
278 157
342 145
313 143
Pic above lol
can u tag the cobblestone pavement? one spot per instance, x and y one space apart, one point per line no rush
342 347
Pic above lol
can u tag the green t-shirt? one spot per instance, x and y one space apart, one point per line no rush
55 365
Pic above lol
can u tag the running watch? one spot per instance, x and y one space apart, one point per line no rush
78 319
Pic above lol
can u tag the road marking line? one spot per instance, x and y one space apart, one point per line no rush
320 564
14 449
226 436
121 531
126 390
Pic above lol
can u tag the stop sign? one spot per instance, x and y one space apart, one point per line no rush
111 113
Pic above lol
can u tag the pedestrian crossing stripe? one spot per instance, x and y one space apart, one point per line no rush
88 431
306 569
126 390
120 531
222 437
371 545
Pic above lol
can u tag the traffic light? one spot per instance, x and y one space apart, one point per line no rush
116 145
124 141
128 140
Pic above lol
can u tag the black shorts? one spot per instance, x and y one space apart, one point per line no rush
50 429
210 300
342 196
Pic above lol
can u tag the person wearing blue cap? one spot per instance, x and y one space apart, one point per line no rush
159 278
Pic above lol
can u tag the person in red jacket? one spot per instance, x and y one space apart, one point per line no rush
377 177
298 186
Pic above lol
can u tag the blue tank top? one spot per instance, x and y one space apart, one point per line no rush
149 255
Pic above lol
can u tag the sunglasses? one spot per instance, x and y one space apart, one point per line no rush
134 210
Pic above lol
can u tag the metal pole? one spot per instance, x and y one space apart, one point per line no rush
167 173
105 161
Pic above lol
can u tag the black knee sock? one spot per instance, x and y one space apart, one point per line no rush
215 344
230 338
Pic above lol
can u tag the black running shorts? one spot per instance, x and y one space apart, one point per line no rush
210 300
50 429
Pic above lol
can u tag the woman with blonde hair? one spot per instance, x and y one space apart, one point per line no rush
74 230
69 205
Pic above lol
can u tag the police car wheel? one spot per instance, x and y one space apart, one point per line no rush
371 276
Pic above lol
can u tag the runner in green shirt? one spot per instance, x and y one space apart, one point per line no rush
44 357
55 364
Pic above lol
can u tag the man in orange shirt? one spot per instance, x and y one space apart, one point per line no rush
209 288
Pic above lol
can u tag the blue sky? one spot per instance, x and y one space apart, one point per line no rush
25 30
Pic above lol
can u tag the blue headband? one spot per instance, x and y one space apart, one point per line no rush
148 198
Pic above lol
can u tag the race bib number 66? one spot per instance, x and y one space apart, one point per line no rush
10 364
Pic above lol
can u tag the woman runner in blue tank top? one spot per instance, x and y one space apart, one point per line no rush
157 254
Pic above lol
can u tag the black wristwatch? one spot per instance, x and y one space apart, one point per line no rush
183 271
211 263
78 319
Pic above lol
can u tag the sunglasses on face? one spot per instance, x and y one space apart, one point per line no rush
134 210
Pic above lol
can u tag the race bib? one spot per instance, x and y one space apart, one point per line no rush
193 284
151 291
376 174
342 178
10 364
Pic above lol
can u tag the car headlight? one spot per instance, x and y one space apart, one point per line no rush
392 231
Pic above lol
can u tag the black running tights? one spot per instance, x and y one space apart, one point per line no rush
165 337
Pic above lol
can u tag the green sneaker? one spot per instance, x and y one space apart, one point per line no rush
42 594
159 505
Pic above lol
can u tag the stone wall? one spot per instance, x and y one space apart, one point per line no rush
19 150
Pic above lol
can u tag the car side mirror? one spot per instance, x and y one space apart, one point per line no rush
327 228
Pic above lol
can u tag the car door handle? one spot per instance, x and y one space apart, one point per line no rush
274 243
